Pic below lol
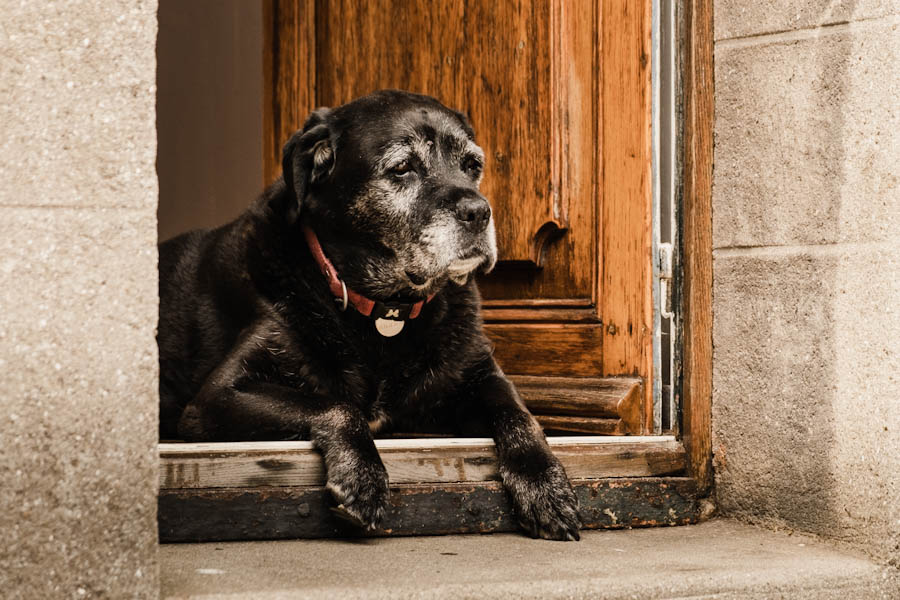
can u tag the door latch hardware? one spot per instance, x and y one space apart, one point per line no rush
664 268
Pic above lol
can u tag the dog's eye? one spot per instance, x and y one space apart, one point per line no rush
472 167
400 169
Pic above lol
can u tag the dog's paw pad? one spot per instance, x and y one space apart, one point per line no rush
546 505
361 496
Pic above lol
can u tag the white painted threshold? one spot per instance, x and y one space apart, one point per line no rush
438 460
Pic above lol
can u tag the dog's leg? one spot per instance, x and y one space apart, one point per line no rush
536 481
356 476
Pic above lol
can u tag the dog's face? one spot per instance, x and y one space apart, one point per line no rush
389 183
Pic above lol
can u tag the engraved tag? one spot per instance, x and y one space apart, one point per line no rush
389 327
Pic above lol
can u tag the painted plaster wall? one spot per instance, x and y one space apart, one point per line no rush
806 229
78 299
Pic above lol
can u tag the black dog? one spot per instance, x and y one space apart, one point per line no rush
342 302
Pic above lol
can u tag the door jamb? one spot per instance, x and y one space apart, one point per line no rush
697 159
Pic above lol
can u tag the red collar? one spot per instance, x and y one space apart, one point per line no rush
344 295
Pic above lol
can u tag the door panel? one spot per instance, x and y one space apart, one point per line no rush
503 64
559 95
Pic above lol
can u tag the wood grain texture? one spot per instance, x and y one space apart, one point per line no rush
626 201
271 170
551 310
279 464
587 425
631 410
556 349
215 515
616 426
697 158
578 396
289 72
542 315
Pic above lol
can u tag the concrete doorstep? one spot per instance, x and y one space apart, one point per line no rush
720 559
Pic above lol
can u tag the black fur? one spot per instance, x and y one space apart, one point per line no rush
254 347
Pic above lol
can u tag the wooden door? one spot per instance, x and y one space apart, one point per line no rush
559 95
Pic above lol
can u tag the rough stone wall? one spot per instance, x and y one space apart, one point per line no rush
806 230
78 299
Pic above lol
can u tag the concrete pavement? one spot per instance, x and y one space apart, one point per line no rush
720 559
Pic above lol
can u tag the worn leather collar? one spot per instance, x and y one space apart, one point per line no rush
344 296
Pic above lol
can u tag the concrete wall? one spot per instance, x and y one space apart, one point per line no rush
78 299
209 111
806 227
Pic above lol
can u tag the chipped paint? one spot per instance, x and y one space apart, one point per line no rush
193 515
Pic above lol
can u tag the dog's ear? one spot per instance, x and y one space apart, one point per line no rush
307 158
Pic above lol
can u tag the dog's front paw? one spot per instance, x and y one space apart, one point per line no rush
544 501
361 493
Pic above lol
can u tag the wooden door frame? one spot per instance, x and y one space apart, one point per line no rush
612 494
698 103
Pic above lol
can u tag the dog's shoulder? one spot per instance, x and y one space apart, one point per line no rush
178 253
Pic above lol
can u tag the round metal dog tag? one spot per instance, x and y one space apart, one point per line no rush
389 327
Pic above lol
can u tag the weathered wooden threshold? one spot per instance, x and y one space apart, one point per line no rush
274 490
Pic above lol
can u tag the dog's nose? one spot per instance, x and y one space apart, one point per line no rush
474 213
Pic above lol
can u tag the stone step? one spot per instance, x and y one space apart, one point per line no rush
720 560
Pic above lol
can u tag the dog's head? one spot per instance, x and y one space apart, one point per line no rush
389 183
